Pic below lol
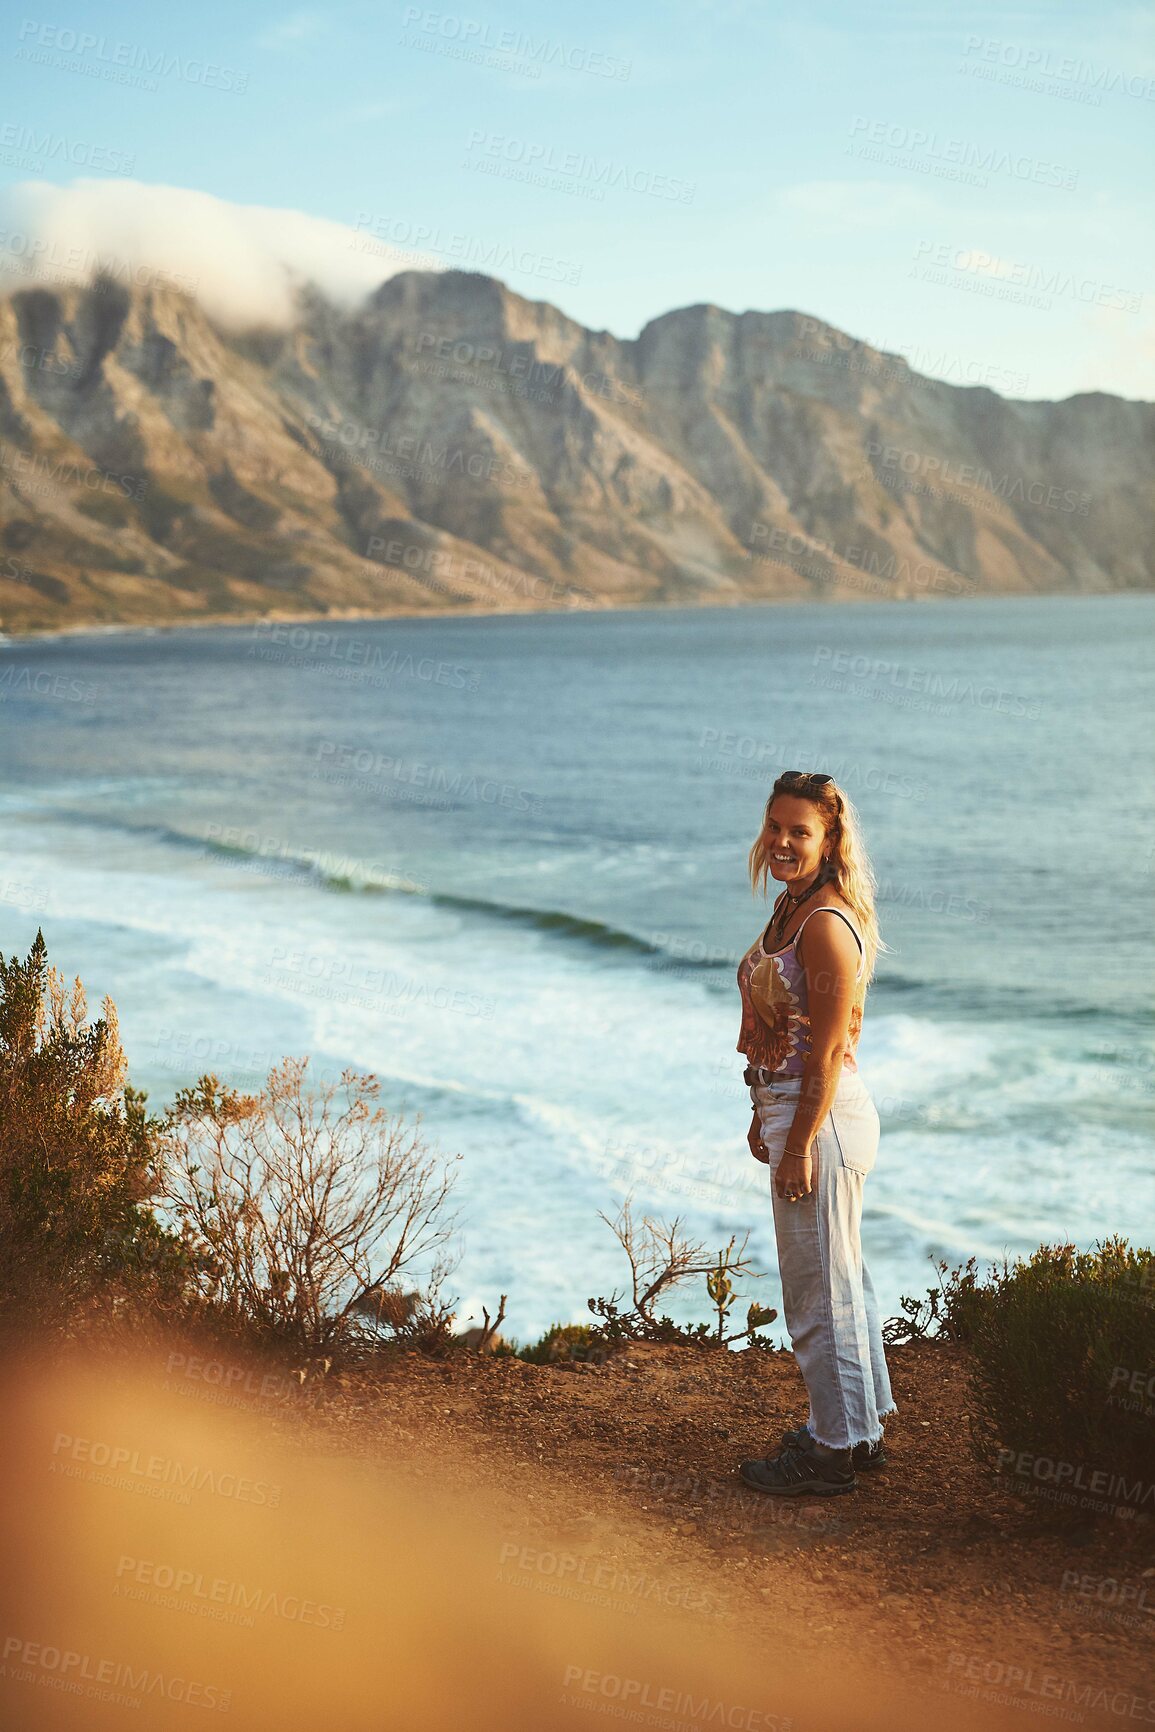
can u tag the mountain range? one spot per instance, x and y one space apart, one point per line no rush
449 445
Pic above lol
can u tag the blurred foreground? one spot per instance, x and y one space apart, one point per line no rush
171 1561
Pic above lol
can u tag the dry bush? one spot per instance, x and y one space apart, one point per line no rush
661 1258
299 1203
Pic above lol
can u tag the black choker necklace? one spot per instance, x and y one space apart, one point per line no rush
792 902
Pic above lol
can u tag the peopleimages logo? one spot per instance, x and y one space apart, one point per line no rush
1068 1477
938 474
881 574
1116 1593
452 576
154 1474
33 357
314 650
411 455
423 244
1024 1687
922 683
1011 279
209 1595
896 359
40 683
931 901
743 754
121 62
520 368
633 1694
90 1675
593 173
1029 62
478 38
574 1575
42 471
957 158
44 147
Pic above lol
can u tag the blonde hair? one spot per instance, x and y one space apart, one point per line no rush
849 870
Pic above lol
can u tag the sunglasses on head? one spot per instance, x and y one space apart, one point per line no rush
802 779
805 782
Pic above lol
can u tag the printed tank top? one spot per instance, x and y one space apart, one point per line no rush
782 1043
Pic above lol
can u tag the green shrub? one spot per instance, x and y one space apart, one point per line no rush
78 1160
946 1314
566 1342
1060 1345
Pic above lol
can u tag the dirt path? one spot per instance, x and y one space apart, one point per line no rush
479 1545
616 1485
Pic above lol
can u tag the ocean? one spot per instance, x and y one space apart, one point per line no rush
501 863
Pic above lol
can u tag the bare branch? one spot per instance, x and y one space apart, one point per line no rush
489 1329
305 1199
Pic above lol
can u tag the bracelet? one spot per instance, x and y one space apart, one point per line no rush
795 1156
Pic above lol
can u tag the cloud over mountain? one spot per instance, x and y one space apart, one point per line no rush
244 263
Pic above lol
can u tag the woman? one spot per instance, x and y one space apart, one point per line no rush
803 985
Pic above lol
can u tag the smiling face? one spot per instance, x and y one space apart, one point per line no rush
794 836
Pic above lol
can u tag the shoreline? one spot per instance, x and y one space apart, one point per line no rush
225 622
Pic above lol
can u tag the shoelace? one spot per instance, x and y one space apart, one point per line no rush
794 1464
804 1464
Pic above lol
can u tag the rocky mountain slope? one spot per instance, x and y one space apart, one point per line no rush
451 445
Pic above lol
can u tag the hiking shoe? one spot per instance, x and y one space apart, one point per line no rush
798 1472
863 1456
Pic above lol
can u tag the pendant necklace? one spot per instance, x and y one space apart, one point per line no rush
781 919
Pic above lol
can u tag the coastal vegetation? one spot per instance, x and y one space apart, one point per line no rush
306 1224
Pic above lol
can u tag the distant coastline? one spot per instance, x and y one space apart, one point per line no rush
220 622
247 492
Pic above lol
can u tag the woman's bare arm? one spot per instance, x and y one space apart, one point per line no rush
830 963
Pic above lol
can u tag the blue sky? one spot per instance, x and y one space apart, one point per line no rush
967 185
